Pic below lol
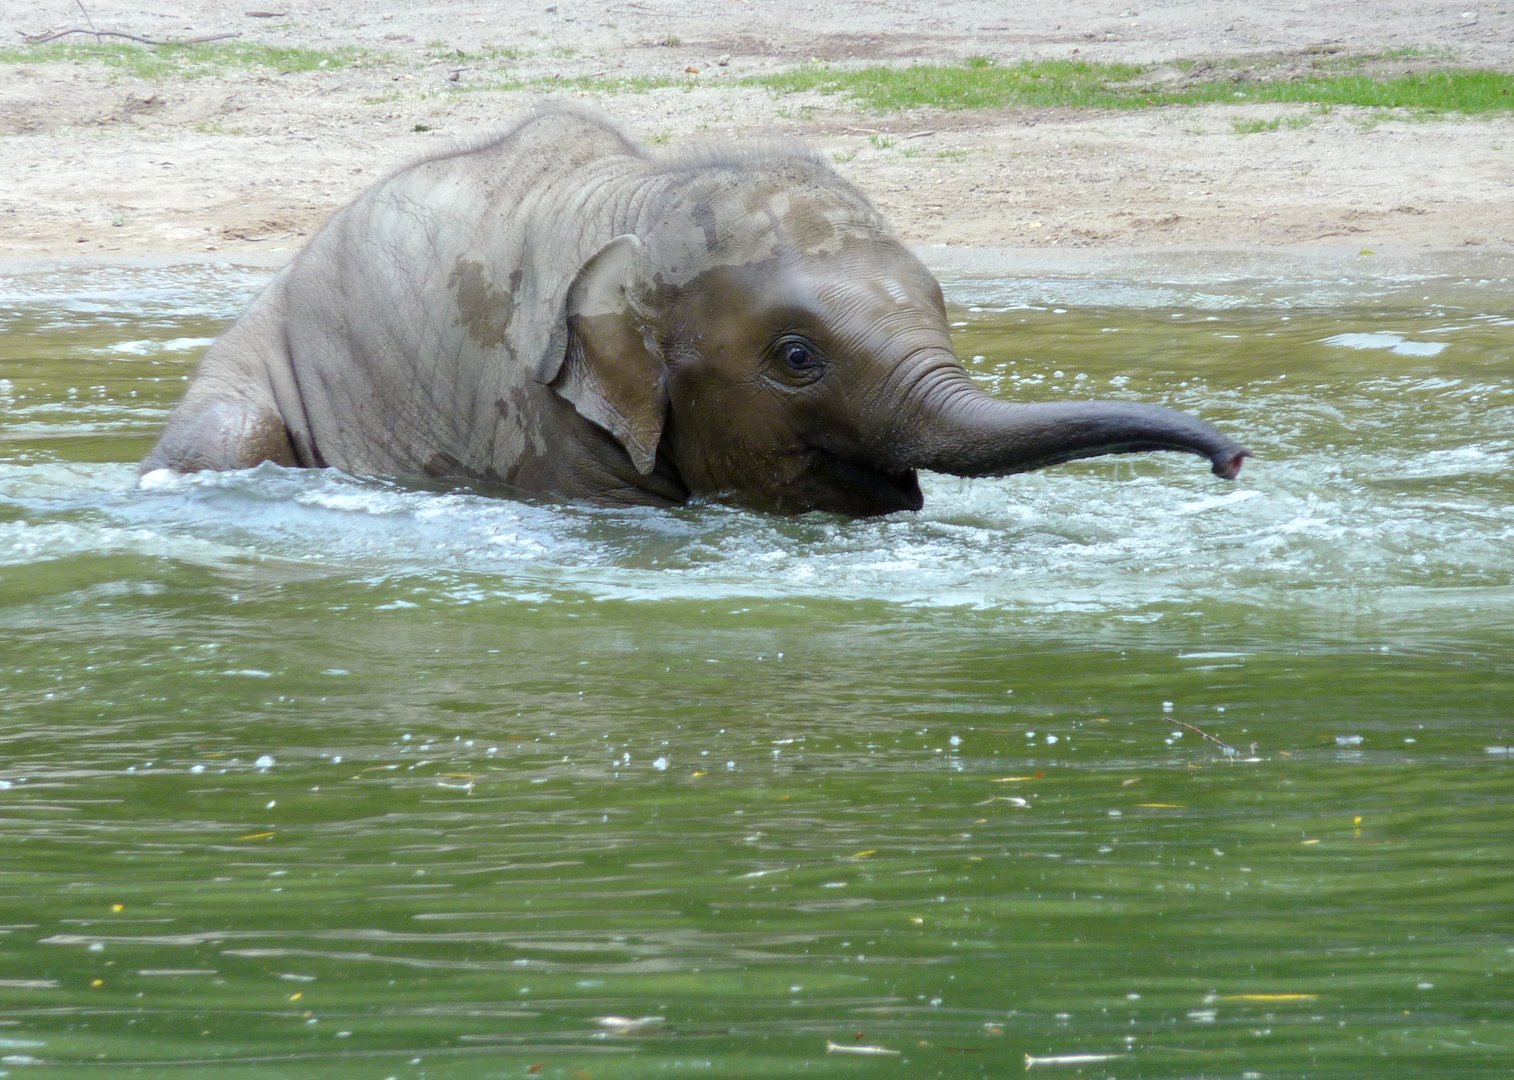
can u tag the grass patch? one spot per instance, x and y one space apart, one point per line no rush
625 84
1252 127
975 84
158 62
1418 52
497 54
1470 92
981 84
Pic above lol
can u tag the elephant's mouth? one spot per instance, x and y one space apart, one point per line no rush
881 491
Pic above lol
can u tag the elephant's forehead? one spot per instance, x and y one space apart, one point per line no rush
859 298
762 223
813 226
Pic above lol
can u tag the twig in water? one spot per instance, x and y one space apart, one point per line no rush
1230 751
38 39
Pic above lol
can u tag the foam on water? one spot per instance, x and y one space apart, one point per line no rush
1392 342
149 347
1295 534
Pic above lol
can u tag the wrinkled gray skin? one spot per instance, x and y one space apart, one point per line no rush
564 312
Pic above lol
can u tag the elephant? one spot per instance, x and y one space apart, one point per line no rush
564 312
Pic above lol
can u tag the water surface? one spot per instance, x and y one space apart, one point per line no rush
317 775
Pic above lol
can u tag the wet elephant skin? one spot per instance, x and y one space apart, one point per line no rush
565 312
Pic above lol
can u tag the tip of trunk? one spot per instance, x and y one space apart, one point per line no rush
1227 464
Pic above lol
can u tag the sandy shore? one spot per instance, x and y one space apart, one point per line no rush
248 160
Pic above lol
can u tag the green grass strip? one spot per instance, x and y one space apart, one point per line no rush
977 84
982 84
157 62
1456 90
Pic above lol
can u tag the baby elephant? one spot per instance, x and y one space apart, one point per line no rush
564 312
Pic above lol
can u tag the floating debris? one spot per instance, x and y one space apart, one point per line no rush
1013 800
872 1051
1031 1061
625 1025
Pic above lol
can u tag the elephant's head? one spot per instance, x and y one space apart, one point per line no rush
771 338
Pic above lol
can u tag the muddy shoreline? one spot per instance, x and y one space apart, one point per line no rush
246 161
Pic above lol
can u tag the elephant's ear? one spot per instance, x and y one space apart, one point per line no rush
612 372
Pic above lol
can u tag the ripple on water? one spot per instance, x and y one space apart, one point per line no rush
135 294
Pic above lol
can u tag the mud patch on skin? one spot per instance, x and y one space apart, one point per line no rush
484 309
515 435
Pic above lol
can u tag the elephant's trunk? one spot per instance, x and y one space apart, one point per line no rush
957 428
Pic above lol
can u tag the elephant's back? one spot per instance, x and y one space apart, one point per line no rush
418 315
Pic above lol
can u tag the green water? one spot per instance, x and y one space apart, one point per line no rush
306 775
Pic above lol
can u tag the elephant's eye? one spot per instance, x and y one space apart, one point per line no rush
799 358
